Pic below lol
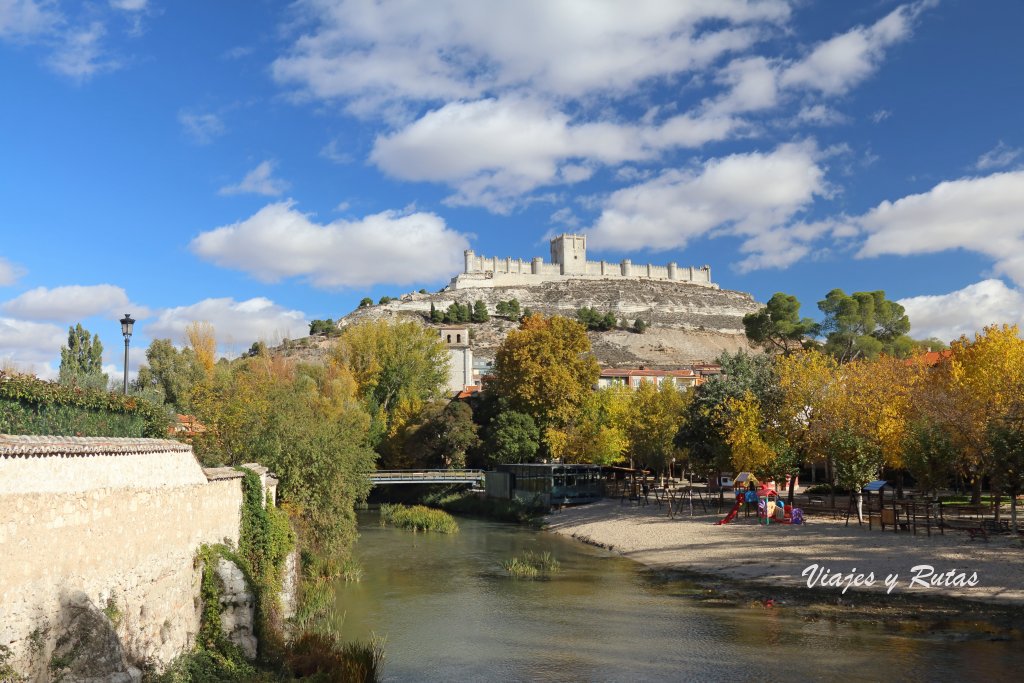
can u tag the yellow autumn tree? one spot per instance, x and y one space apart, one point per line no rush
652 422
545 369
804 381
745 434
983 379
596 433
202 338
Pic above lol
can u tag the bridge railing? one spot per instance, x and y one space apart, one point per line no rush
427 475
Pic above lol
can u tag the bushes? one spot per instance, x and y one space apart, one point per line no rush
467 503
29 405
418 518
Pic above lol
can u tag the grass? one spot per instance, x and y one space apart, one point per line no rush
418 518
531 565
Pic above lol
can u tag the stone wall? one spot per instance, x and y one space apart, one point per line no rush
122 534
568 261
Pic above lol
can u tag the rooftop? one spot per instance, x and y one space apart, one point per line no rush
19 445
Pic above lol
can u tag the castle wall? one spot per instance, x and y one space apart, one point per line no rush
100 524
568 261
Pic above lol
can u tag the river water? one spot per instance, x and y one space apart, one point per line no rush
449 612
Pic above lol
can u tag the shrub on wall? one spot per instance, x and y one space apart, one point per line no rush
29 405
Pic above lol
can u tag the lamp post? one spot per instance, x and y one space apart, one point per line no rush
126 330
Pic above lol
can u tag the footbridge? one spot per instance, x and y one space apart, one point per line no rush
428 477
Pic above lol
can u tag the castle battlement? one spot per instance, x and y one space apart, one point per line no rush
568 262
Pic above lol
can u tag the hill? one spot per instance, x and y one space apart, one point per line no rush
688 323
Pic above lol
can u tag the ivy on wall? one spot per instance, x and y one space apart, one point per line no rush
29 405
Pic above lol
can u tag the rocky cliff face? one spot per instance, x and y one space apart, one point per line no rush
689 323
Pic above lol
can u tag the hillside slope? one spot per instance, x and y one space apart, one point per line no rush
689 323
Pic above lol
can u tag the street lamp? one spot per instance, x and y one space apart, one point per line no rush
126 330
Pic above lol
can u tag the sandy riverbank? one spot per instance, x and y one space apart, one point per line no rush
777 555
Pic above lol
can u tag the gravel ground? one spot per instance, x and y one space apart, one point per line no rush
779 554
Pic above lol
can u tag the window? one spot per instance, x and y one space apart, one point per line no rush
449 339
458 339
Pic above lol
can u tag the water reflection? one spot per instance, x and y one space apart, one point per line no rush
450 613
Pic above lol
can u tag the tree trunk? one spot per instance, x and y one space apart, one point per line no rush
831 474
976 490
899 485
1013 511
792 489
860 504
998 504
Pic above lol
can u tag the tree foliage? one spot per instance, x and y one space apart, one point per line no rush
398 368
169 372
508 309
512 437
202 338
81 361
307 424
863 325
595 320
323 327
778 326
545 369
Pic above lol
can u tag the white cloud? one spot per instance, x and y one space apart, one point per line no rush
279 242
965 311
880 115
332 152
982 215
749 195
753 83
376 53
494 150
71 303
22 19
129 5
80 55
820 115
838 64
202 128
1000 156
27 344
259 180
9 272
237 323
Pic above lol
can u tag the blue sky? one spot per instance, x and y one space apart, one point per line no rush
258 165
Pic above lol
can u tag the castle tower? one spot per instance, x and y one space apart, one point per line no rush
570 252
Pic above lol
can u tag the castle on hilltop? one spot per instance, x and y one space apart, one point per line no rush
568 262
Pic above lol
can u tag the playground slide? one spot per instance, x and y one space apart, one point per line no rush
732 513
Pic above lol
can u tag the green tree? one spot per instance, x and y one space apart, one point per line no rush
436 316
703 434
513 309
365 301
778 326
384 300
862 325
324 327
639 326
171 372
545 369
480 314
512 437
81 361
930 456
1006 441
857 461
398 368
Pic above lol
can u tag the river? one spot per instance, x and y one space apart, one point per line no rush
449 612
